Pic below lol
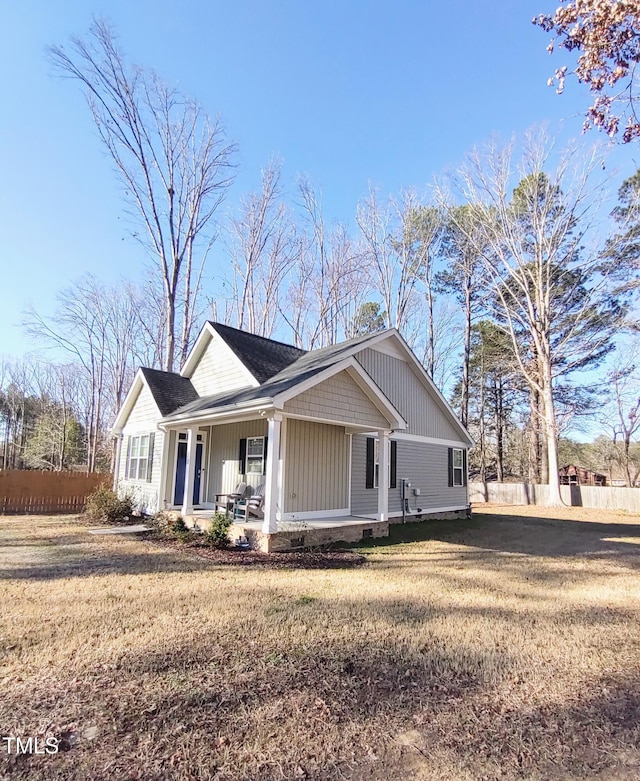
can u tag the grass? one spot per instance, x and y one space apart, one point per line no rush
504 647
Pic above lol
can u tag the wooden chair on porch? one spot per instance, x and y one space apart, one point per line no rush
251 506
228 502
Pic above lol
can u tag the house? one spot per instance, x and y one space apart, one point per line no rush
577 475
317 429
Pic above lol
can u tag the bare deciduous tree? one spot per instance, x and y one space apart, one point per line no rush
544 274
326 280
174 163
388 234
98 327
623 416
264 246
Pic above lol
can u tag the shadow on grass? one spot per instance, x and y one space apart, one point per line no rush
239 710
77 565
509 534
57 559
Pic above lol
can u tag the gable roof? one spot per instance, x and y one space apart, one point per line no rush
307 366
263 357
278 390
169 390
282 371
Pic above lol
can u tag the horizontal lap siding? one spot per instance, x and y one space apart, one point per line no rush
143 419
144 413
218 370
146 494
338 398
316 467
409 395
425 465
364 501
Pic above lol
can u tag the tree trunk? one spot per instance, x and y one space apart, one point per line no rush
482 432
534 439
627 468
499 432
555 498
464 411
170 335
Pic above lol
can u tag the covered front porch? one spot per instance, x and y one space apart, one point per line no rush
294 444
294 535
302 466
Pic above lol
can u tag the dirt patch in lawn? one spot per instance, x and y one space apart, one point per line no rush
501 647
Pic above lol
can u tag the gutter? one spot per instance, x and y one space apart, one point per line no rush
221 412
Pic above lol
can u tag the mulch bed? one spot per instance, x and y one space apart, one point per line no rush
325 559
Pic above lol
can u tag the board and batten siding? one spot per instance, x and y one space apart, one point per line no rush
424 464
338 398
316 467
408 394
143 419
224 448
218 370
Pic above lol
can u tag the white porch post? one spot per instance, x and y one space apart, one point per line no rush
383 476
189 473
271 493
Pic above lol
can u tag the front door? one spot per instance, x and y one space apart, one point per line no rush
181 471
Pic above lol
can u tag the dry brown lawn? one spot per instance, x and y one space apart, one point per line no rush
505 647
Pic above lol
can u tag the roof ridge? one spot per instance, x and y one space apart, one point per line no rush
215 324
161 371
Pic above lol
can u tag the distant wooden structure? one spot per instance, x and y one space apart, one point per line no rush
577 475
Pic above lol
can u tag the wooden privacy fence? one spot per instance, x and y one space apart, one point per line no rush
594 497
26 491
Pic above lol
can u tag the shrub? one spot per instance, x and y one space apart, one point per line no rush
178 528
218 533
162 519
104 504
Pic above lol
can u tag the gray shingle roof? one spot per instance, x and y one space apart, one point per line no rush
263 357
306 366
169 390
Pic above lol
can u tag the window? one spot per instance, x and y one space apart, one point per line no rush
183 437
140 457
255 455
376 460
373 463
458 469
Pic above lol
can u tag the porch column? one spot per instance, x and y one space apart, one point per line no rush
269 525
383 476
189 473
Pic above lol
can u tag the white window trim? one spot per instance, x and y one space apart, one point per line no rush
458 470
254 458
137 439
376 462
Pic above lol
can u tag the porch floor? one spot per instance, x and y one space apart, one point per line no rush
293 526
311 532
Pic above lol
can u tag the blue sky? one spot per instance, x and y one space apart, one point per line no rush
348 93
